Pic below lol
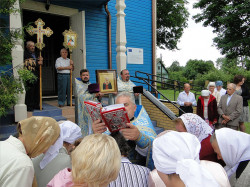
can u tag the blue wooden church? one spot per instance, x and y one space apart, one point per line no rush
108 30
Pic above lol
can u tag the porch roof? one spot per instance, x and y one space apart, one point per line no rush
95 3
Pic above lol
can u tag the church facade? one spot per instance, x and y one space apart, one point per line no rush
96 25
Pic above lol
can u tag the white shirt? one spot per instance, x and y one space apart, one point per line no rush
61 62
125 86
16 168
183 97
222 91
229 98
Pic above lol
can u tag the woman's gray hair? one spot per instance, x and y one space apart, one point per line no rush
126 94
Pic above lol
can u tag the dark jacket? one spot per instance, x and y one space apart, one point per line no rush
212 108
245 94
33 67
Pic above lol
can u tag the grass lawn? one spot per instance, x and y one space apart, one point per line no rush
170 95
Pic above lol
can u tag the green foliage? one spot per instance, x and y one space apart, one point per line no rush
175 66
8 37
230 20
9 88
172 18
26 76
195 67
177 75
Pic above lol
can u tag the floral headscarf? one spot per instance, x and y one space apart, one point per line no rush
38 133
196 126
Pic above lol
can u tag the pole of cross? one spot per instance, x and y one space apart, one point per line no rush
70 42
40 31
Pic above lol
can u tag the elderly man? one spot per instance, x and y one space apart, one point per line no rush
32 63
82 94
230 108
186 100
63 67
140 131
126 85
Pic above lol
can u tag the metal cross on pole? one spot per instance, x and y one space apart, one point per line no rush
70 42
39 31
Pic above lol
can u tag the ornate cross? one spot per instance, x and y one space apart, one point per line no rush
40 32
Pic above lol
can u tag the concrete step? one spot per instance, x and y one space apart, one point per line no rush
8 119
59 118
6 131
48 110
67 110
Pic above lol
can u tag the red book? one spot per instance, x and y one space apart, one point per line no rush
114 116
94 109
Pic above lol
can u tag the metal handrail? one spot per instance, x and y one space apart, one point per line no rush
178 84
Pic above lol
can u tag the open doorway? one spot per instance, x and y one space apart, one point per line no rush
53 45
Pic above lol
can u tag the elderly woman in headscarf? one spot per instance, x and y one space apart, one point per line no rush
207 107
36 135
57 157
234 148
195 125
219 88
176 158
211 88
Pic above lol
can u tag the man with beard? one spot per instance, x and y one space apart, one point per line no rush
126 85
82 94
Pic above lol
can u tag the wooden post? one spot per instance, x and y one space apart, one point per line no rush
40 83
70 82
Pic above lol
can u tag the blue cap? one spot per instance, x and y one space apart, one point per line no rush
219 83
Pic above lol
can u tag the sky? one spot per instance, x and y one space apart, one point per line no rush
195 43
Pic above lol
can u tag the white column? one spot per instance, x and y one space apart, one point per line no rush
120 36
20 108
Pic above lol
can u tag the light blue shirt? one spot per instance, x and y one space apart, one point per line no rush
229 98
183 97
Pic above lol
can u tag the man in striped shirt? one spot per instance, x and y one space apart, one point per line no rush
131 175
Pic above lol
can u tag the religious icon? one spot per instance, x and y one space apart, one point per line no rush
70 39
107 81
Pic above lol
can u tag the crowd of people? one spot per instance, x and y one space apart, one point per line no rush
217 106
205 150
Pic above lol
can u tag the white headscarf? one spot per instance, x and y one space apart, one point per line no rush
205 93
178 152
70 132
210 84
196 126
234 147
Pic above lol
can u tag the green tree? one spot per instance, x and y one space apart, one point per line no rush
175 66
195 67
230 20
10 86
172 17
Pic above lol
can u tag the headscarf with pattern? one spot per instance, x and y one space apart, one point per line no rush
196 126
